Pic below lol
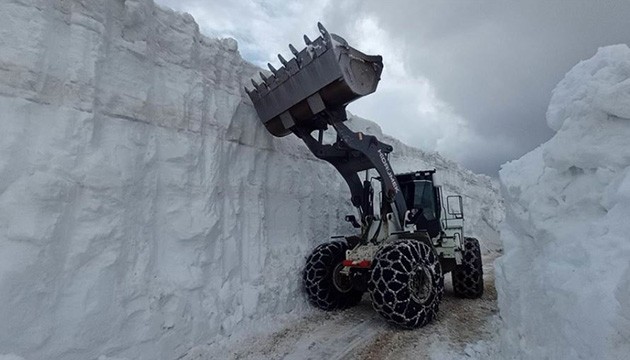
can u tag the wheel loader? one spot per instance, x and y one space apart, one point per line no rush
409 235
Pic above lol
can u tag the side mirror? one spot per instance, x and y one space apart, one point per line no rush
352 220
454 206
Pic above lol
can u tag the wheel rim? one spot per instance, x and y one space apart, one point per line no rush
341 281
421 284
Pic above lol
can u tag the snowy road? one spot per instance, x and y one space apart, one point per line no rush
359 333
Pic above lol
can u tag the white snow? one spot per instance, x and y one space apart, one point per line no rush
564 281
144 210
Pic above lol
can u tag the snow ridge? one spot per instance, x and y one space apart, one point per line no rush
564 280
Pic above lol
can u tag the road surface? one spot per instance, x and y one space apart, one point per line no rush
463 326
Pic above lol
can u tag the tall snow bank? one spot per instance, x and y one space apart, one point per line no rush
564 281
143 207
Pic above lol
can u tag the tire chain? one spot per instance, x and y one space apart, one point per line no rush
390 279
317 278
468 277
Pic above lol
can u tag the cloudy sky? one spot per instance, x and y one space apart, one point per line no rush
468 78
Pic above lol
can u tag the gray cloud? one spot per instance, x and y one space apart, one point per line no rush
496 62
471 79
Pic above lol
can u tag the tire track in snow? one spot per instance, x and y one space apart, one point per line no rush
359 333
326 335
461 322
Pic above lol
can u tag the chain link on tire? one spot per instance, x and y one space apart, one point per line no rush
468 277
406 284
324 286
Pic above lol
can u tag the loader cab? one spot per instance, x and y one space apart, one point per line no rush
421 193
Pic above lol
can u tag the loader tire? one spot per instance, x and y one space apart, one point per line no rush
325 287
406 284
468 277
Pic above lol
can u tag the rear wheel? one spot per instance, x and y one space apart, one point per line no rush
406 284
468 277
327 287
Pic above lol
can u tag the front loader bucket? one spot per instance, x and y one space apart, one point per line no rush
327 74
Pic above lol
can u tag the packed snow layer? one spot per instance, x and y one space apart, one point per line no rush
564 281
143 207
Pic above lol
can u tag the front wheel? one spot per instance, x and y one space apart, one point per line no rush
406 284
468 277
327 287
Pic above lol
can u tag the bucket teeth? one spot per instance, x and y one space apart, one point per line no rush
271 82
262 76
322 29
325 35
314 48
282 60
254 93
272 69
293 50
262 88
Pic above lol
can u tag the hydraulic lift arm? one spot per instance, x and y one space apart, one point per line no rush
310 92
352 153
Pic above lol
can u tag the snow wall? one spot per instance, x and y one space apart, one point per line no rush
564 281
143 207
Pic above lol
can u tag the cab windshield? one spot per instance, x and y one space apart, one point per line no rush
419 194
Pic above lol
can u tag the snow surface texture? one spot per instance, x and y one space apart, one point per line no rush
143 207
564 281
